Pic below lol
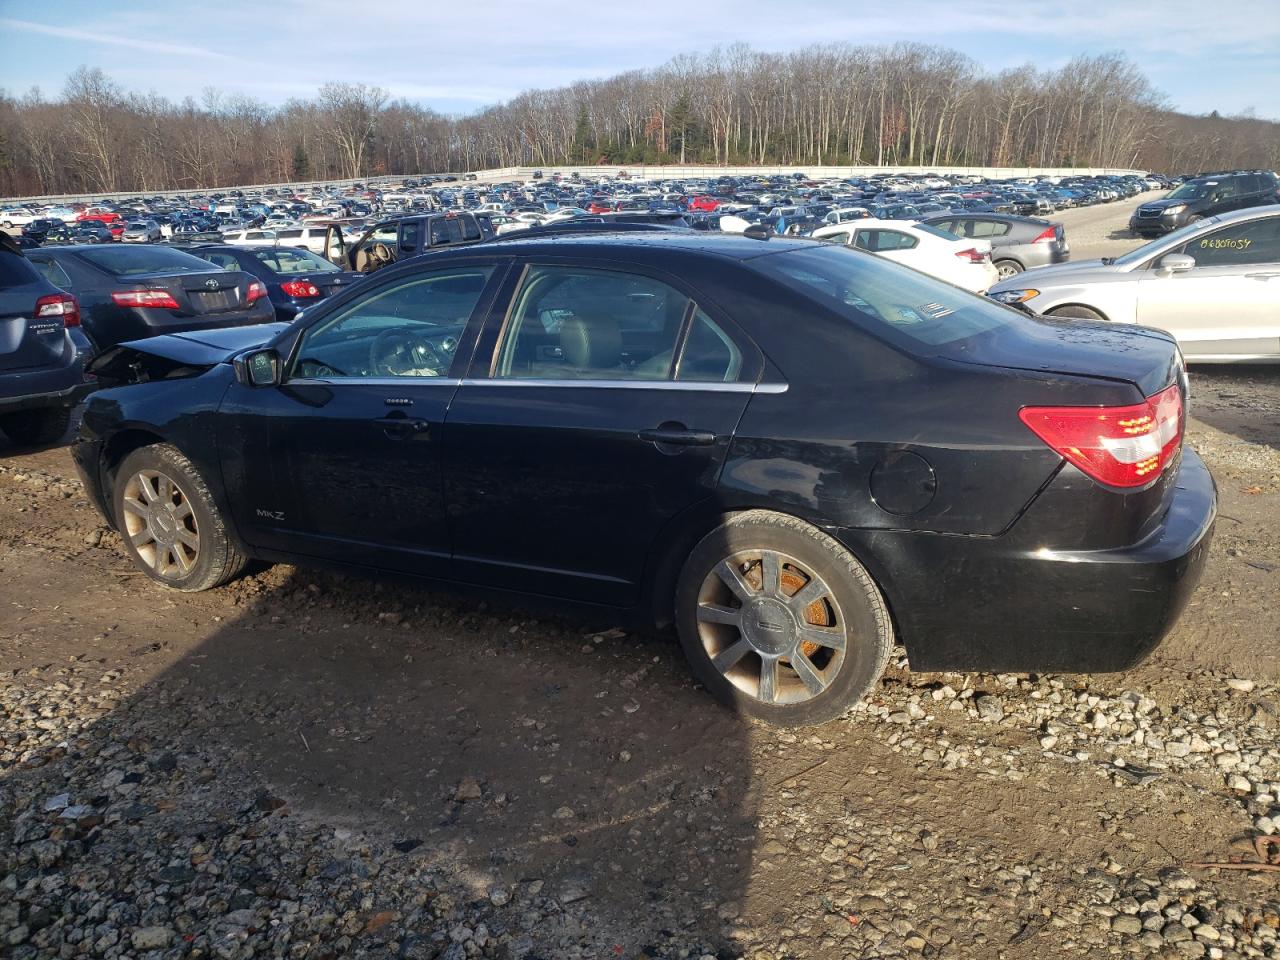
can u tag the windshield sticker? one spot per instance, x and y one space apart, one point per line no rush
934 311
1225 243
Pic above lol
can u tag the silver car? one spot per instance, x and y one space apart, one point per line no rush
1214 284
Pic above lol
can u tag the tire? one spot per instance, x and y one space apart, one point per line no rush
185 549
34 428
1076 312
1008 268
731 652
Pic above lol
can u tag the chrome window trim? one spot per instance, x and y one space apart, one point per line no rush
685 385
371 381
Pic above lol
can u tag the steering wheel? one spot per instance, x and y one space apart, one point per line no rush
380 254
398 352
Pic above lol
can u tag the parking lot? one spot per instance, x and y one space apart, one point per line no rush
304 764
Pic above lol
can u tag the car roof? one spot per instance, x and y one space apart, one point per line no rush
606 244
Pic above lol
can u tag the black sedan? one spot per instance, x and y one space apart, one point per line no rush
295 279
131 291
91 231
798 452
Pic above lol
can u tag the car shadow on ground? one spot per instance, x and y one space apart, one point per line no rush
462 748
1238 400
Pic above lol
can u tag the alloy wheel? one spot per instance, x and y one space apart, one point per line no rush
160 524
771 626
1005 271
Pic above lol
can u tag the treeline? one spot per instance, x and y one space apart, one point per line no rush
907 104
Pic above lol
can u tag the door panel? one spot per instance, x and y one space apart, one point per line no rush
552 490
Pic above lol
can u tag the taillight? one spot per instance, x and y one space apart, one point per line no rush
973 255
300 289
1048 236
62 305
1118 446
256 291
160 299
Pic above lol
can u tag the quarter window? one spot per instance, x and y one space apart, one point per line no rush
406 329
53 272
574 323
709 354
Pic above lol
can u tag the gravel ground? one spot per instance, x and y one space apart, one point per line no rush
308 765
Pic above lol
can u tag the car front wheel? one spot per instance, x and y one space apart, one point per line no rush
1076 312
170 523
779 621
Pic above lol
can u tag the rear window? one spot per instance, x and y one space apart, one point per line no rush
888 300
129 261
15 270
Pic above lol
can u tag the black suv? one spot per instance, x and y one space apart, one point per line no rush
391 240
1205 196
42 351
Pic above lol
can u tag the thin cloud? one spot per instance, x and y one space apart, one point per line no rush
109 39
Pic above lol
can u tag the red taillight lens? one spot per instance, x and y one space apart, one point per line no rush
1118 446
160 299
1048 236
973 255
256 291
62 305
300 289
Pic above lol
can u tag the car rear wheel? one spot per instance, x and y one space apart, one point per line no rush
1077 312
1008 268
170 523
32 428
779 621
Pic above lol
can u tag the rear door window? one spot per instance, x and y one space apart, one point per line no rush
987 228
579 323
1257 241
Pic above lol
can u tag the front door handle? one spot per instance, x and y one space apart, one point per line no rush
678 435
401 428
1261 276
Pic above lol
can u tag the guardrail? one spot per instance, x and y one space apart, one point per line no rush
635 171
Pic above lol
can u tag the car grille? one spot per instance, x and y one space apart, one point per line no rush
211 301
1148 213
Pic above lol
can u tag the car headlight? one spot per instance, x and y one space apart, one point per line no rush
1176 208
1014 296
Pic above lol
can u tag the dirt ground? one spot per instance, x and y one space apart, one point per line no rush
580 770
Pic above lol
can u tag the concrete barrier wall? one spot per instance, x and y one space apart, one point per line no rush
637 171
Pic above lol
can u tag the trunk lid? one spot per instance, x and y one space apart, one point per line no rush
1142 356
200 294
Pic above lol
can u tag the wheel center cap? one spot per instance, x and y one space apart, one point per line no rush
769 626
163 523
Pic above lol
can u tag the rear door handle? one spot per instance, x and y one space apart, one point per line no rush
1261 276
678 436
400 428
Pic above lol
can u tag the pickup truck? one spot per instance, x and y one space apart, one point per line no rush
407 236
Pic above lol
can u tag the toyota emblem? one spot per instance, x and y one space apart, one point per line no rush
211 283
336 281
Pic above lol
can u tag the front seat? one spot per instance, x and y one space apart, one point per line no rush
591 345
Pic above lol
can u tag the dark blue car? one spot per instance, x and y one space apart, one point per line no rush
42 351
295 278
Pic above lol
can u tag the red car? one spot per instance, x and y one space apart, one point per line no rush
600 205
97 213
705 203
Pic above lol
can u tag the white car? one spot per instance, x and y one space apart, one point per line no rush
1214 285
308 236
845 215
964 261
18 216
250 238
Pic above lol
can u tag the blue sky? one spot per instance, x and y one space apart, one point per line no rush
458 57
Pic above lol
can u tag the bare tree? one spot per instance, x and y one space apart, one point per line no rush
350 112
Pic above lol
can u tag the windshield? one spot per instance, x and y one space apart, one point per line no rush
886 299
1192 191
285 260
131 261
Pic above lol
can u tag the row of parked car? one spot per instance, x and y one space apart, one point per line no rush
254 274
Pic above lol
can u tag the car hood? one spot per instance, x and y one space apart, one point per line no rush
1161 203
1059 274
207 347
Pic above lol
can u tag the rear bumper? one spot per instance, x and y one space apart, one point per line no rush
973 603
62 386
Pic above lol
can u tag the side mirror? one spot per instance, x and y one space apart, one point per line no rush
261 368
1176 263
